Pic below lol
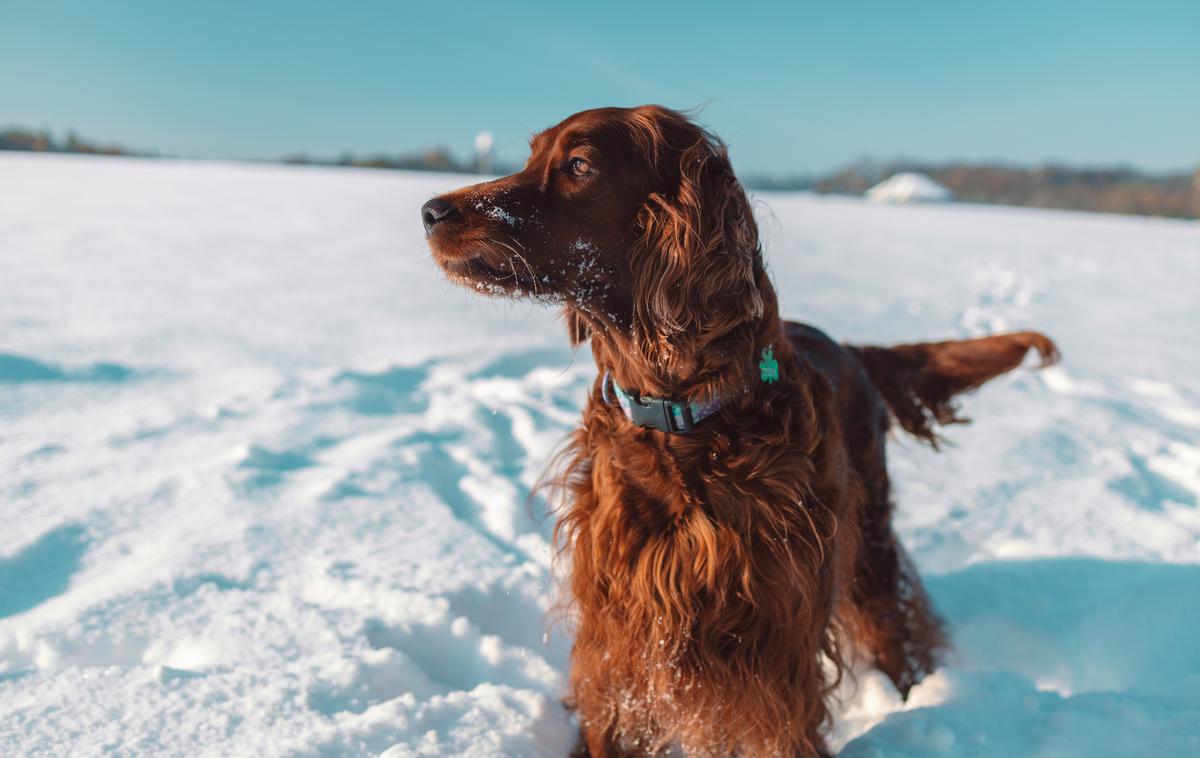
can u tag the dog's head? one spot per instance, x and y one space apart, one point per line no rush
630 217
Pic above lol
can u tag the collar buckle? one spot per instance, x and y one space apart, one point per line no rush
670 416
663 414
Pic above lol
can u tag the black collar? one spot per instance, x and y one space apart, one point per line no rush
676 416
663 414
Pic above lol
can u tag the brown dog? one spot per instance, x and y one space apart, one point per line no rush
726 505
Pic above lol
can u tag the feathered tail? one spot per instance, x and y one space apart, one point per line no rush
919 381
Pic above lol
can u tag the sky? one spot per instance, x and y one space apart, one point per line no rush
794 88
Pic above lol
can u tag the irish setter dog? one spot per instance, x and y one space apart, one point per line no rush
725 502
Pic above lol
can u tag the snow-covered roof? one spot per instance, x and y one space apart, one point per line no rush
908 187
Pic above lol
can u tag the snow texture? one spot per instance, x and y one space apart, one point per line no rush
263 471
909 187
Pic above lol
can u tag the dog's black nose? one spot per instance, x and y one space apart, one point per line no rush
435 211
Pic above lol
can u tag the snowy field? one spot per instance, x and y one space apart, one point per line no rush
263 473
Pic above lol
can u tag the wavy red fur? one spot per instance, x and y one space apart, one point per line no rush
718 582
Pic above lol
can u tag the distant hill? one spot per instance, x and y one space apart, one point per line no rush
909 187
1112 190
1105 190
44 141
433 159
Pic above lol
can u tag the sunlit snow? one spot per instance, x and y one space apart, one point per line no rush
263 471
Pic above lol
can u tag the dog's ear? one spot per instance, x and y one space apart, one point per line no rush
696 259
578 329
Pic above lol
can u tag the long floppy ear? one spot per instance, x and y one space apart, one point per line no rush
694 263
578 329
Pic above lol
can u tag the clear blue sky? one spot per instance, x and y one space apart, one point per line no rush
794 87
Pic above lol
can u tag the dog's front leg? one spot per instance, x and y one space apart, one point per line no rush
598 733
597 742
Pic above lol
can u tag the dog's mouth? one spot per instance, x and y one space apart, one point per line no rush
475 269
490 271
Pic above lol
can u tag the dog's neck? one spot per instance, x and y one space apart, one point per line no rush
696 368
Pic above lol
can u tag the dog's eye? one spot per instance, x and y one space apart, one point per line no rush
580 167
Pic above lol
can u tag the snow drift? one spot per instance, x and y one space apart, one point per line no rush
909 187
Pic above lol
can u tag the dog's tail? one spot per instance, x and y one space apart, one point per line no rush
919 381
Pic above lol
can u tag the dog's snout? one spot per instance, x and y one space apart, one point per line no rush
436 211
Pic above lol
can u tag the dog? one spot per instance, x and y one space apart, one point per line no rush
725 506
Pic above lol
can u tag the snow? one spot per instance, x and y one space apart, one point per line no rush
908 187
263 472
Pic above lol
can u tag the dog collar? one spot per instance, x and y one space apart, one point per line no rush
663 414
677 416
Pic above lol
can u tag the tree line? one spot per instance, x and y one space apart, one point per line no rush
1105 190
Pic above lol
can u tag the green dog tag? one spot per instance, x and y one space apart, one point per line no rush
768 367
